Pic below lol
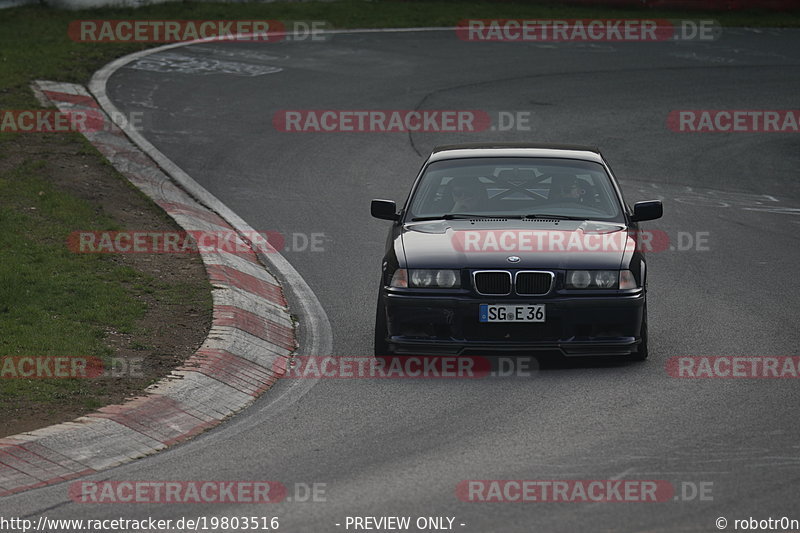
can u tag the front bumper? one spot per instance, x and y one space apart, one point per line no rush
575 325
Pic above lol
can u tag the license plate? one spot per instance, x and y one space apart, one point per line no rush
511 313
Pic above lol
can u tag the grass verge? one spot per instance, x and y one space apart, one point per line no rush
140 314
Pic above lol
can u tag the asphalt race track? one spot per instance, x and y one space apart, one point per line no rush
397 447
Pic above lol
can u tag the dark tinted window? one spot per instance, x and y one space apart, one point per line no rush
516 186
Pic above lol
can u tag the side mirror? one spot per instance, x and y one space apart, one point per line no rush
384 209
647 210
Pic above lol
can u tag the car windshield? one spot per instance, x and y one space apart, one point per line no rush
515 187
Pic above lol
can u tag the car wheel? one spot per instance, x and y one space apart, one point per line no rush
642 352
381 347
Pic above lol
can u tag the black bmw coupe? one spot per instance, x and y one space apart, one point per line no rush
514 247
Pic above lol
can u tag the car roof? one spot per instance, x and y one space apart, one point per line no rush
565 151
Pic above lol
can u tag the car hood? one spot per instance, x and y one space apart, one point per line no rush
562 244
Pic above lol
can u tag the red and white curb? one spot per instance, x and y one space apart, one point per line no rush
252 336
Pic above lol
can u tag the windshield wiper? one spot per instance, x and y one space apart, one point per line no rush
556 217
459 216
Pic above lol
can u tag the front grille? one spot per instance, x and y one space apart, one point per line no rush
533 283
526 282
493 282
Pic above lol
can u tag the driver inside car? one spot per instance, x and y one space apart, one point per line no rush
567 189
469 195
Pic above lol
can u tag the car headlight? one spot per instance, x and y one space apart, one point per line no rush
434 278
600 279
423 278
578 279
448 279
606 279
426 278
